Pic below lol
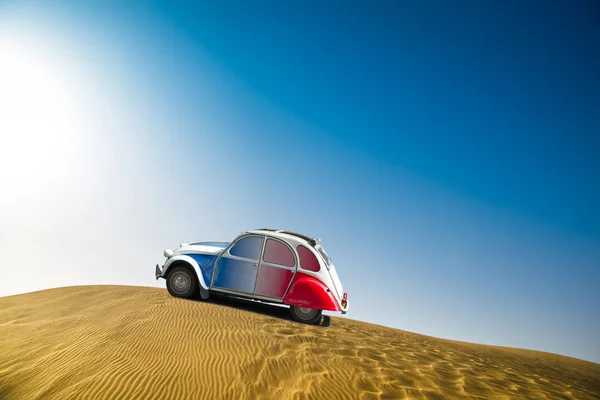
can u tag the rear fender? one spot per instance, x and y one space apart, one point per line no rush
307 291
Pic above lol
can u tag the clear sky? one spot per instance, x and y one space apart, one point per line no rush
447 153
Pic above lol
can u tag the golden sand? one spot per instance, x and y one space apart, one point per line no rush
120 342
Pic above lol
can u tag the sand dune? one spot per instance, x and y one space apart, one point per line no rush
119 342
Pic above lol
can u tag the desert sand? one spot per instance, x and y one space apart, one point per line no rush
122 342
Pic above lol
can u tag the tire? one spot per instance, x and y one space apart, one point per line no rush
182 282
306 315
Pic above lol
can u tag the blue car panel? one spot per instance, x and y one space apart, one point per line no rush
206 262
235 275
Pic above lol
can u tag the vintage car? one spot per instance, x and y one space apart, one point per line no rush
268 265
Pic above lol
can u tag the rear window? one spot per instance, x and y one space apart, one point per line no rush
308 260
324 255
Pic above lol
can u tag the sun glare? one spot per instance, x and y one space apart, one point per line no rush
38 120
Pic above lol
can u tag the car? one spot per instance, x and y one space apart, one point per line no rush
267 265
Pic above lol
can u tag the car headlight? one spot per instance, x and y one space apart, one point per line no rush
168 253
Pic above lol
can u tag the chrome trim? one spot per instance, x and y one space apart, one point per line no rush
271 299
237 239
225 253
327 262
287 245
261 262
248 260
245 295
278 266
230 291
260 256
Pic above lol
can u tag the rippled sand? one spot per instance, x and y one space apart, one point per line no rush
119 342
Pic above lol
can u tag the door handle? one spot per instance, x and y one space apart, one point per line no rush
256 264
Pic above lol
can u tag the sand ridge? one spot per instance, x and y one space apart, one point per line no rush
126 342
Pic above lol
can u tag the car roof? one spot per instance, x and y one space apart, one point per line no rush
281 231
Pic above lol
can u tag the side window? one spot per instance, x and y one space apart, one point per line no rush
278 253
248 247
307 259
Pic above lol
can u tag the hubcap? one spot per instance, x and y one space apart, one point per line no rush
306 312
180 282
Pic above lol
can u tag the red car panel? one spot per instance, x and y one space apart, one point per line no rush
273 281
307 291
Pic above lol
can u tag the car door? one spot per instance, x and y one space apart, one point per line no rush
237 267
276 270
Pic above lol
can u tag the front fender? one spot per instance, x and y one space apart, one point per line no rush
307 291
192 263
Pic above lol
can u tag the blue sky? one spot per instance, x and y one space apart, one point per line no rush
446 153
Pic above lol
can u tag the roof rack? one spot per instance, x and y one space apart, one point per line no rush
298 235
312 241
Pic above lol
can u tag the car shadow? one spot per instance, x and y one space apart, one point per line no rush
257 307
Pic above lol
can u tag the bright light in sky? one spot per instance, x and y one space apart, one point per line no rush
128 128
39 132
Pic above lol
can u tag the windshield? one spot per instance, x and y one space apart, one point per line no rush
214 244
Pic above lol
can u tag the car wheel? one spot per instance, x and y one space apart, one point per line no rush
182 282
306 315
